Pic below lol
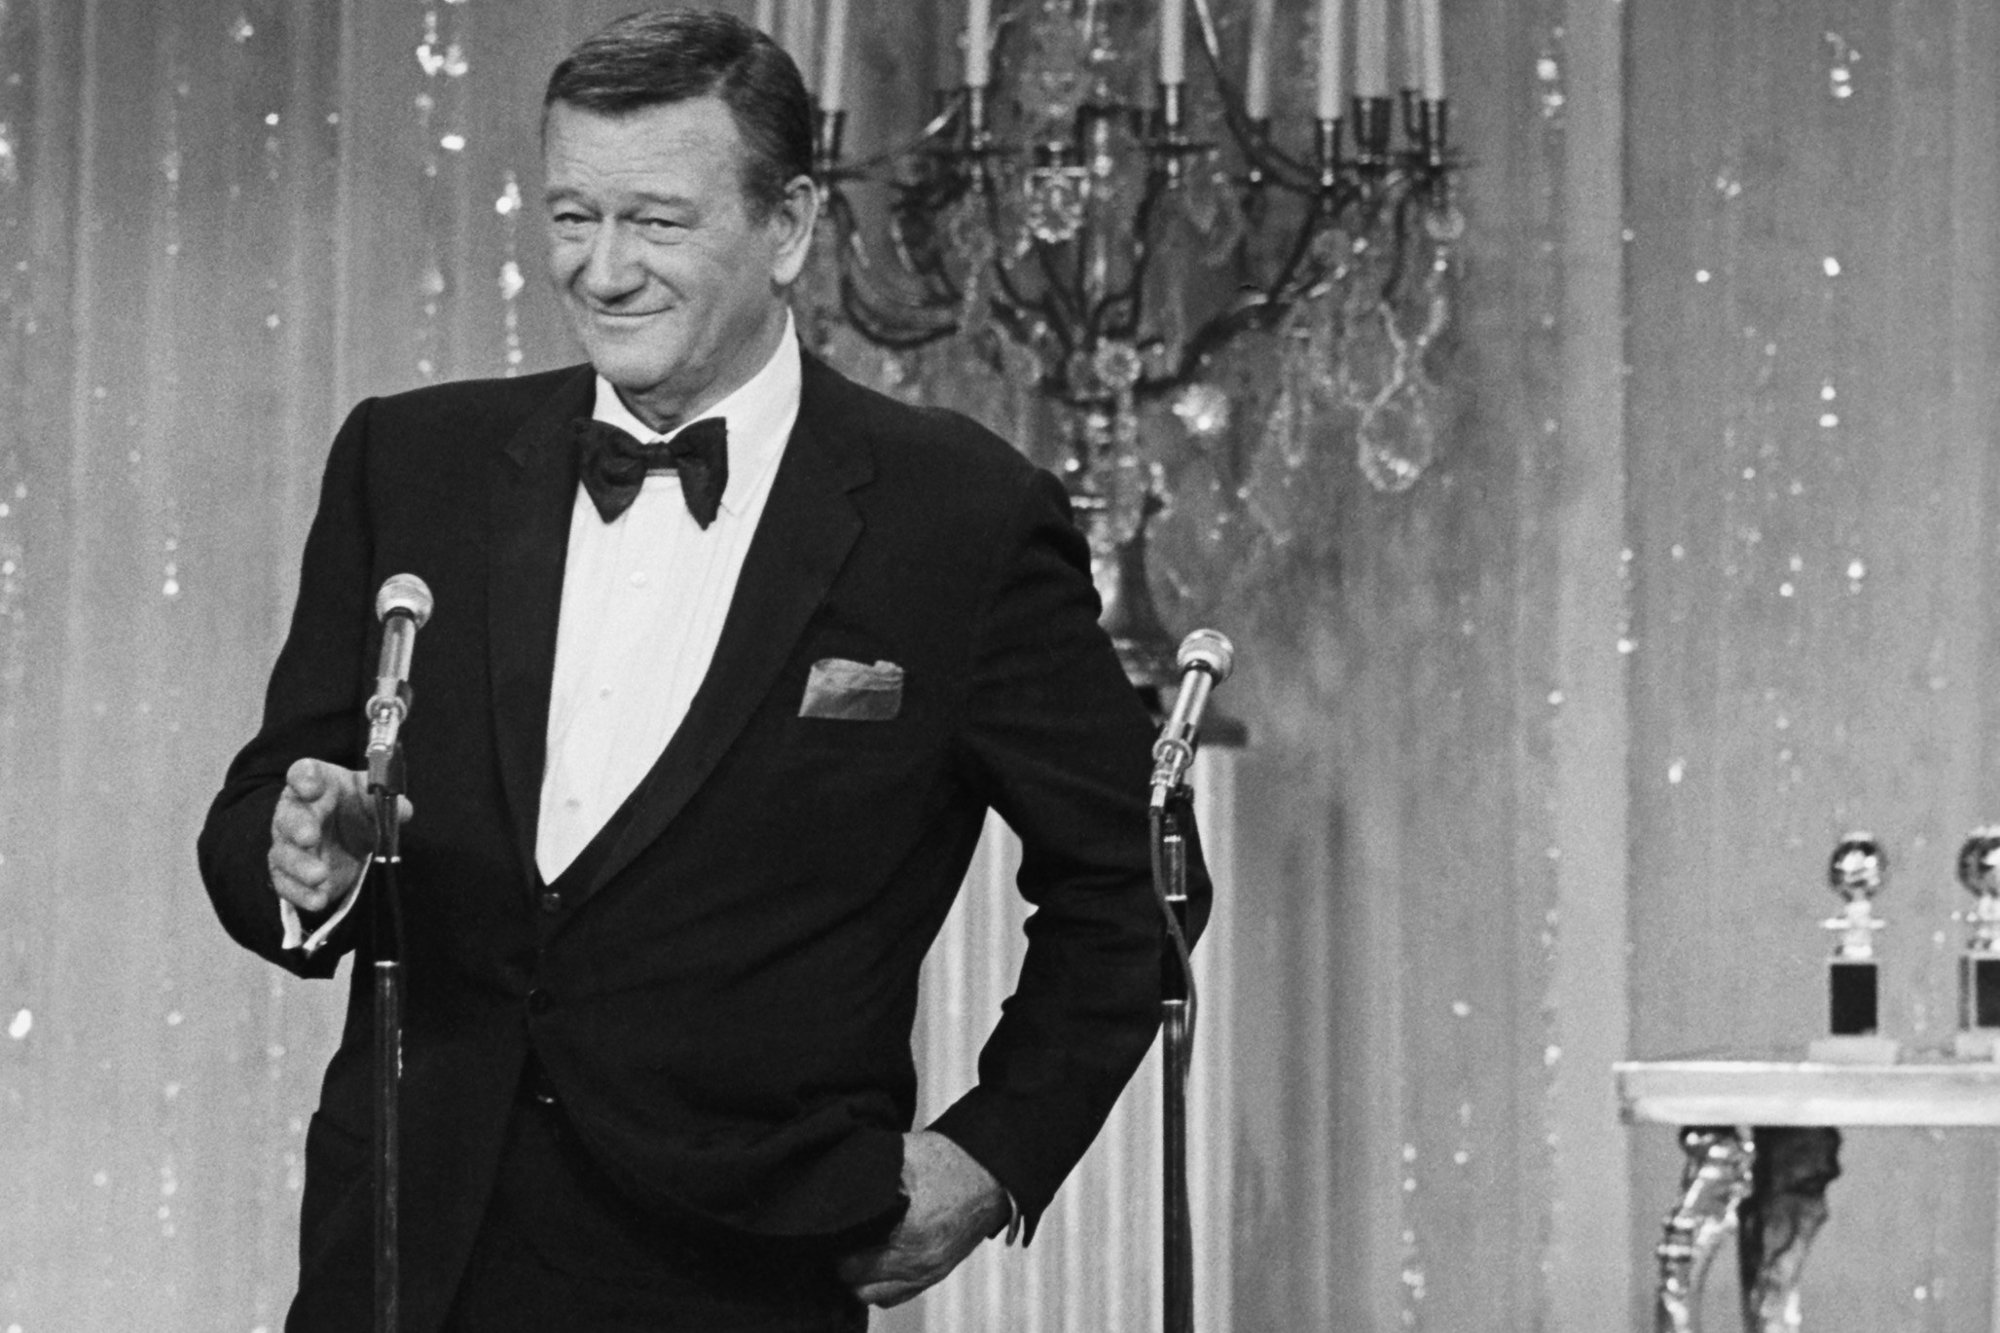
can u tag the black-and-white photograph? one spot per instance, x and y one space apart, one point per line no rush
999 666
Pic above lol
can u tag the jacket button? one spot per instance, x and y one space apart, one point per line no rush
540 1001
551 901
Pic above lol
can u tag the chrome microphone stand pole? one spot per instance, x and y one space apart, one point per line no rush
1204 661
386 930
1171 823
403 605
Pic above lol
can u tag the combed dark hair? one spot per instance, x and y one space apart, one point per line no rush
671 55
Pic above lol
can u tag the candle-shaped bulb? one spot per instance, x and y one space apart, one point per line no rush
1371 49
1327 97
1257 74
978 36
1433 52
1173 41
833 61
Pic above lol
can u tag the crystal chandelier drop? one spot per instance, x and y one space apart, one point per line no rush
1082 217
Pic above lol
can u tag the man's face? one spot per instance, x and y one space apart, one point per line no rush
675 288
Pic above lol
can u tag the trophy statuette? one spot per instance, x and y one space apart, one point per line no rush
1978 1036
1856 872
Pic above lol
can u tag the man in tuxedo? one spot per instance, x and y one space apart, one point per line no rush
729 660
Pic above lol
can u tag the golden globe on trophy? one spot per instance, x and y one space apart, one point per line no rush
1978 1036
1856 872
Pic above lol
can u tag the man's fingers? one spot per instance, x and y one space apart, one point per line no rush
893 1272
295 824
875 1280
309 779
303 867
889 1294
311 896
322 831
863 1267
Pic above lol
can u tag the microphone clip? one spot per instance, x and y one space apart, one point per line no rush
386 711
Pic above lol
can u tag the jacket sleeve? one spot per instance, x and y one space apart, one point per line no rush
312 708
1057 741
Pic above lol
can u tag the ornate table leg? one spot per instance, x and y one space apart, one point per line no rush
1786 1206
1716 1179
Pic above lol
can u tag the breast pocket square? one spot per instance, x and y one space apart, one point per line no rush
853 691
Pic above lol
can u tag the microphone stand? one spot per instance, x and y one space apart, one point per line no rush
385 781
1171 821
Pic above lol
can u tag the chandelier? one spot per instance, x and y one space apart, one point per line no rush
1082 217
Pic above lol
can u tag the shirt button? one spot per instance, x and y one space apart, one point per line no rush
573 803
540 1001
604 691
551 901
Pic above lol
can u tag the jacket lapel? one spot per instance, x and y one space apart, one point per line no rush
532 496
808 526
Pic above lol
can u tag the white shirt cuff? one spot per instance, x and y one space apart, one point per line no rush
295 930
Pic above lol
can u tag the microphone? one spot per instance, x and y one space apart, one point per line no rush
403 606
1204 659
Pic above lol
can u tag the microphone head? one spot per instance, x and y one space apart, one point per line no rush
404 594
1207 650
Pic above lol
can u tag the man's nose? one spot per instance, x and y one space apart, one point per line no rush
610 269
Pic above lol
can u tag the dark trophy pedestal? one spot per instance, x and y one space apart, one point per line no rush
1853 976
1979 963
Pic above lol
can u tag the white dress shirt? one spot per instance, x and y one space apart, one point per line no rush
643 602
644 597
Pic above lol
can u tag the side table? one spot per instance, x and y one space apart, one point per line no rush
1762 1139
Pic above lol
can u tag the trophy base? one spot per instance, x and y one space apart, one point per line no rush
1976 1045
1868 1050
1978 992
1852 987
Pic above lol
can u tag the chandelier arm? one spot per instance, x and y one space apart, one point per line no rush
936 296
925 270
839 211
1295 277
1011 292
1011 297
1296 257
1078 295
1289 173
868 303
933 300
853 264
1215 333
1399 250
932 132
1272 303
1131 294
1015 325
937 288
1003 274
929 269
881 327
1056 300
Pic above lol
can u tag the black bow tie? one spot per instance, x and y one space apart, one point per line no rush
613 465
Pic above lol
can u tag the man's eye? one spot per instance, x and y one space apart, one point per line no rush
660 226
569 218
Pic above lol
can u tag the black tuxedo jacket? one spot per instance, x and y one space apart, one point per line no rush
725 1005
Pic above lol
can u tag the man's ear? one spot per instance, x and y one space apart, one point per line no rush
792 221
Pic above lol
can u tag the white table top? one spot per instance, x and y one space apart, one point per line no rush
1922 1090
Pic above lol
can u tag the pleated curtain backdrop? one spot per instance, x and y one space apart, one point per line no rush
1547 753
